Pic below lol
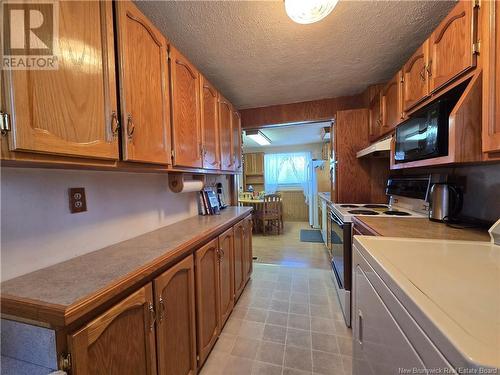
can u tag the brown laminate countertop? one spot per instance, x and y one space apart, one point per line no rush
75 284
418 228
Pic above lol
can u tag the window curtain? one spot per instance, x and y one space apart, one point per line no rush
288 171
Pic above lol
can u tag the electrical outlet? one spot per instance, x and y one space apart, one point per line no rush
77 201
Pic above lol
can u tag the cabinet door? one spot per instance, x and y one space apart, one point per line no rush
392 113
186 130
375 118
239 259
226 144
380 346
70 110
120 341
226 274
143 87
451 45
415 82
247 248
210 125
236 139
491 78
207 298
175 327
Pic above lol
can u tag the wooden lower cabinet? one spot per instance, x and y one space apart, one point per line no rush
247 249
120 341
207 298
239 259
170 325
175 319
226 241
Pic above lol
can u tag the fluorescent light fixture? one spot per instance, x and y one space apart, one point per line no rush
309 11
259 137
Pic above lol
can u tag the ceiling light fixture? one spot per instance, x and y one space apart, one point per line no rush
259 137
309 11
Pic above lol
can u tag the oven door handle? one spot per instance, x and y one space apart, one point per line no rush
336 220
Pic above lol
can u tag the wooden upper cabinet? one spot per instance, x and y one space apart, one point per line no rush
226 274
207 298
491 77
144 91
375 118
236 140
226 138
239 258
254 163
120 341
415 81
186 129
175 322
210 125
70 110
452 45
392 112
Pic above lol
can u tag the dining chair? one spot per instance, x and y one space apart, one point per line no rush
270 212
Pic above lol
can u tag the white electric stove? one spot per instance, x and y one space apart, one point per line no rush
345 212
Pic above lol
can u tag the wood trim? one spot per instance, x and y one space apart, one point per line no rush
315 110
61 316
209 88
146 26
412 62
189 69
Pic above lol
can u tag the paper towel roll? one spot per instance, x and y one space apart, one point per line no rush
186 186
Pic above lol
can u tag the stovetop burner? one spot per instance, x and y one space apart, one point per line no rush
375 206
363 212
397 213
349 205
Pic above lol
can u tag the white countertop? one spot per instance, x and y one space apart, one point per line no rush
455 284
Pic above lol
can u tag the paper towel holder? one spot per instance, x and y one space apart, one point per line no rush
176 181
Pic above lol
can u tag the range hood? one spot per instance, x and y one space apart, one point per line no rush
380 148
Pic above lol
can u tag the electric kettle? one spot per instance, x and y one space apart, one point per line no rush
445 202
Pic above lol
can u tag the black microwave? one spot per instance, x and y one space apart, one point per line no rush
425 134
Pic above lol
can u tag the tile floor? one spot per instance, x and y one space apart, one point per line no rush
286 322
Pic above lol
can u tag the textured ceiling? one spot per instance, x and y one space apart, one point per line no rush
290 135
257 56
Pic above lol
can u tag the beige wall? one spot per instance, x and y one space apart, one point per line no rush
37 229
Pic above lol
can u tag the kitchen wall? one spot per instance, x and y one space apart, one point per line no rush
37 229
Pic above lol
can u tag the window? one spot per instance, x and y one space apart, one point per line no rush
286 171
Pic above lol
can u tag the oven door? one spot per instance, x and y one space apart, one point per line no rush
340 245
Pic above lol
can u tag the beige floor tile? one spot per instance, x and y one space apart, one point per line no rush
291 371
327 363
271 352
298 337
251 330
260 368
225 343
214 363
245 347
256 315
299 321
298 358
274 333
237 366
341 329
233 326
321 311
347 364
299 308
239 312
281 295
345 345
323 325
297 297
324 342
280 306
277 318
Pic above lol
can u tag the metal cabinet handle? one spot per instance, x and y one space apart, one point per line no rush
115 124
422 74
360 327
152 316
162 309
429 69
5 123
130 126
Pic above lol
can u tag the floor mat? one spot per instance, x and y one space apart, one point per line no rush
310 235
